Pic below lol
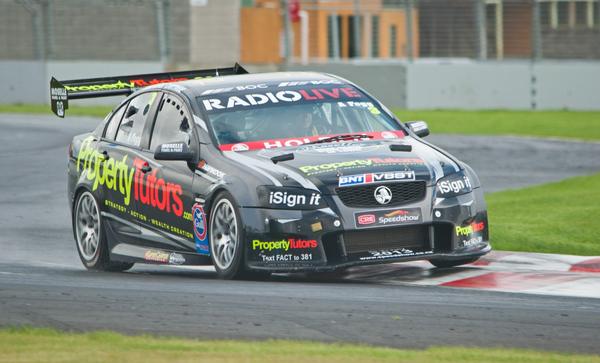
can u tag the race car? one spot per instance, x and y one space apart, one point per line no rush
262 173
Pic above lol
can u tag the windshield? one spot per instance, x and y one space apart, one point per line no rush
273 116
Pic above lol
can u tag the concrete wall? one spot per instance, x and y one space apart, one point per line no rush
420 85
465 84
21 82
214 33
572 85
28 81
468 85
386 81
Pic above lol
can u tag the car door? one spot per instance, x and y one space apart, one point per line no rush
115 176
120 146
166 197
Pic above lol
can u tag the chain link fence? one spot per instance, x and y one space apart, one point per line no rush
276 31
94 30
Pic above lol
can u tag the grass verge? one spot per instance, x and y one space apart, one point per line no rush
559 217
93 111
45 345
562 124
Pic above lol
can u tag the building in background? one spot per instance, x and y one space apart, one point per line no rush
410 53
498 29
330 30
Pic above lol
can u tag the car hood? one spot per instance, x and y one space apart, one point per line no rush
321 166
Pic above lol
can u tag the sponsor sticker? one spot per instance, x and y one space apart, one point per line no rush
337 148
290 198
393 253
260 98
388 217
285 250
470 242
156 256
202 165
366 219
371 178
130 182
297 141
200 230
176 147
470 229
279 198
176 259
455 186
357 164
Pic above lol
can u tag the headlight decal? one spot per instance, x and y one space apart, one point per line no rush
289 198
454 185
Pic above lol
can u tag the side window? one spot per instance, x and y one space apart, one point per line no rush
113 124
136 113
172 123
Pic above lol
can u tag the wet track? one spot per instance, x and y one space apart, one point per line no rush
42 282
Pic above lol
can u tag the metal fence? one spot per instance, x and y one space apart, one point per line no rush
272 32
93 30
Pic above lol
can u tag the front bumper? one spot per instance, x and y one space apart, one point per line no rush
327 239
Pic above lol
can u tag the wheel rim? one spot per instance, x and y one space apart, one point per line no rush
87 226
223 234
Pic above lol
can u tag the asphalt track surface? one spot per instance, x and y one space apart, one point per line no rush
42 282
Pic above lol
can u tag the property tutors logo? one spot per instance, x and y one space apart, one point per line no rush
113 174
387 217
117 175
152 190
358 163
284 245
470 229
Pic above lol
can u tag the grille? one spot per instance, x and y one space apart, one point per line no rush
413 237
362 195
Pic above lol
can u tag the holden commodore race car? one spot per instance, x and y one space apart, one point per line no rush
262 173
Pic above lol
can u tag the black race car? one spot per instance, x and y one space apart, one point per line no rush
260 173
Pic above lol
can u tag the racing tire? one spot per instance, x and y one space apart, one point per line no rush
452 263
90 236
226 236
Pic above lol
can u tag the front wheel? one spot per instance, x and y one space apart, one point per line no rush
226 235
452 263
90 237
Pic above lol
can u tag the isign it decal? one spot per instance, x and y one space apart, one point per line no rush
200 230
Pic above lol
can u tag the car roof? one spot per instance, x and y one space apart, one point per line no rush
195 88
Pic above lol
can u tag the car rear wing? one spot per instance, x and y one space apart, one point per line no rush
63 91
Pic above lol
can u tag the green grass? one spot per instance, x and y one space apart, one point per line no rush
45 345
562 217
94 111
562 124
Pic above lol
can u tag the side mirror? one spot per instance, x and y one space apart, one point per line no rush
132 110
420 128
174 151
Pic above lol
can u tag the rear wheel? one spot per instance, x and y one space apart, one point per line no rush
452 263
90 237
226 236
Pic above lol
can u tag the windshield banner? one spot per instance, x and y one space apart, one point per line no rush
297 141
228 102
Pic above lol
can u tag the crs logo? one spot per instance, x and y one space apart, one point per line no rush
364 219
